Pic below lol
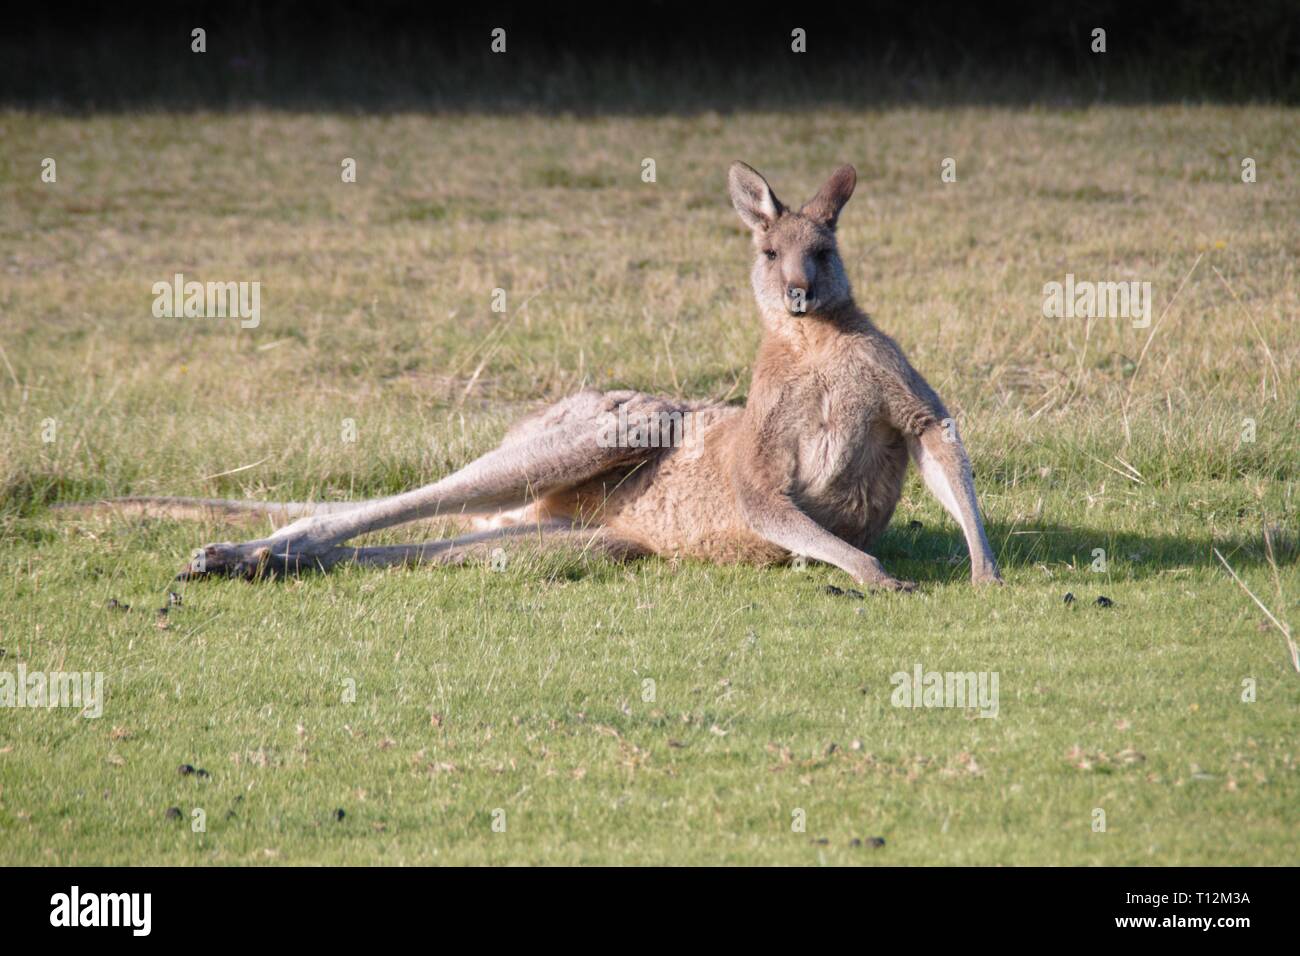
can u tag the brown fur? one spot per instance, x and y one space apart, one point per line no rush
832 404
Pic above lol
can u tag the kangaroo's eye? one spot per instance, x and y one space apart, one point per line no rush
770 253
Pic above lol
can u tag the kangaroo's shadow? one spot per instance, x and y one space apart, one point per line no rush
938 553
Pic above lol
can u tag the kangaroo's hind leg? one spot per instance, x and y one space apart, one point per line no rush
567 445
482 545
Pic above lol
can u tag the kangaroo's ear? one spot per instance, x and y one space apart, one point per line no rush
753 197
830 199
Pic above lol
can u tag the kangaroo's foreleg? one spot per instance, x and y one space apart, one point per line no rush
945 467
761 480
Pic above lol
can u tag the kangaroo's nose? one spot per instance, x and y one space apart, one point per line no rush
796 290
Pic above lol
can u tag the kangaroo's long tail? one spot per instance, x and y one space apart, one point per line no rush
227 509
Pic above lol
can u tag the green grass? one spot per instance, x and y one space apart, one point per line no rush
523 690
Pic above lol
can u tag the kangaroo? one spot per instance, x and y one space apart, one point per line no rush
812 464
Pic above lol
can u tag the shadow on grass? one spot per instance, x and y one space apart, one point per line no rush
939 554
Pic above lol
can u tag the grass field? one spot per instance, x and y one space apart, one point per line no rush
519 696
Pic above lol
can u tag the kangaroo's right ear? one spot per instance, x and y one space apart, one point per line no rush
753 197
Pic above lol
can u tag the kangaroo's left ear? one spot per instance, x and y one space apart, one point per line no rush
753 197
830 199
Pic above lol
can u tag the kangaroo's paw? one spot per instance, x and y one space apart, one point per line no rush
882 583
252 560
876 578
893 584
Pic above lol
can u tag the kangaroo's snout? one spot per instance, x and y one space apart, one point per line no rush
797 274
798 290
798 298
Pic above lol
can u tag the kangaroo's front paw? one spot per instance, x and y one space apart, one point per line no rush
894 584
985 576
872 574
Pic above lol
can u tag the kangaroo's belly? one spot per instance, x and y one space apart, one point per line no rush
680 502
850 483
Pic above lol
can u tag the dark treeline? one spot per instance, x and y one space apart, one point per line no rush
644 55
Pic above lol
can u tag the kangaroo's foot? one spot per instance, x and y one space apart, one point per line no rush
282 556
254 560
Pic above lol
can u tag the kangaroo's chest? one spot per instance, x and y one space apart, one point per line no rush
851 461
840 434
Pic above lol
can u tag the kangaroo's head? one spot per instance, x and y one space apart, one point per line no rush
797 267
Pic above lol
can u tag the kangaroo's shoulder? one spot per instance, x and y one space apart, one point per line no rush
882 366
